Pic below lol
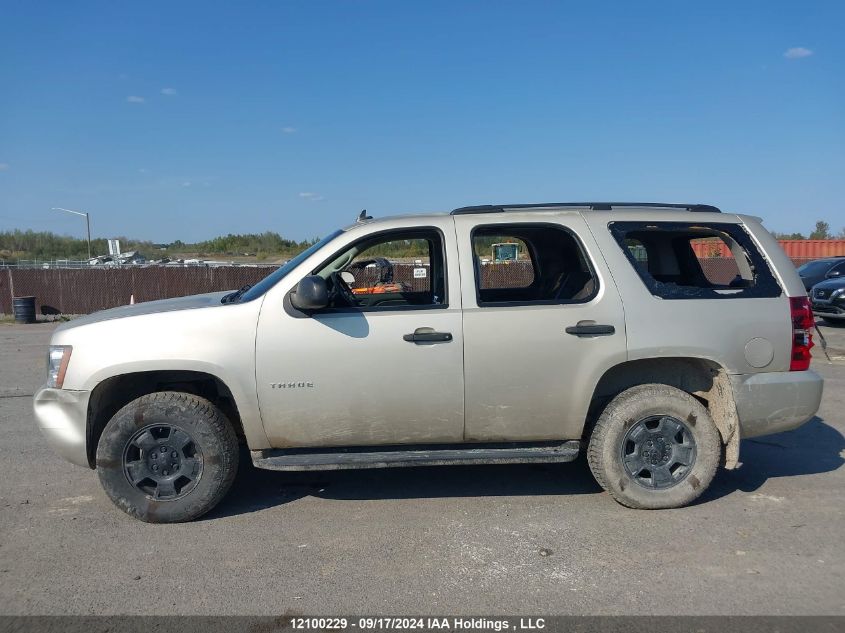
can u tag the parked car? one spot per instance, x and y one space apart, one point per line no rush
828 299
654 365
818 270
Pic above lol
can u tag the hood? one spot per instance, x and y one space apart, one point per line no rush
831 284
149 307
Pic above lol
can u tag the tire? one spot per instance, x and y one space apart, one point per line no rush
654 447
185 439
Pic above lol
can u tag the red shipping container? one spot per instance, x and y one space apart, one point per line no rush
794 249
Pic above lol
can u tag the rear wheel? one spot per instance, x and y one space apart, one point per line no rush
167 457
833 322
654 446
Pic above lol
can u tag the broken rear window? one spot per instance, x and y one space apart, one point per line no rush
693 261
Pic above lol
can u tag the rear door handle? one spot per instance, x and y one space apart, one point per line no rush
590 328
428 335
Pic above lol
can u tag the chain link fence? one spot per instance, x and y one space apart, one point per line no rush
82 291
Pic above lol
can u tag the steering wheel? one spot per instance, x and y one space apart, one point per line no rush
340 290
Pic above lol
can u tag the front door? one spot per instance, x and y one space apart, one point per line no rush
541 325
384 363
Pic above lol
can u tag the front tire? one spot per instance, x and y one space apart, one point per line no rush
167 457
653 447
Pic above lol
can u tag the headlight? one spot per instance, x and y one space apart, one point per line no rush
57 360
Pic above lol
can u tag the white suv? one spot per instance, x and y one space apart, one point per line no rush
609 327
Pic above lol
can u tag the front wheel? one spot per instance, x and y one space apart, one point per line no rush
167 457
654 446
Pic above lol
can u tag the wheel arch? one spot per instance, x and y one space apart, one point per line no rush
115 392
704 379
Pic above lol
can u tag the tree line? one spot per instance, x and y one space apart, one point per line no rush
45 245
821 232
264 244
19 244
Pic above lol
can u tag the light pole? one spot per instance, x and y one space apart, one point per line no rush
87 224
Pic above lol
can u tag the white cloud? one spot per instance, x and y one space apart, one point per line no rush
168 92
288 130
135 99
4 166
797 53
310 195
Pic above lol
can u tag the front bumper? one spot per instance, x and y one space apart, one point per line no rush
828 303
62 416
772 402
828 310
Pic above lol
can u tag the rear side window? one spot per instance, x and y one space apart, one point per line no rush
530 264
693 261
504 261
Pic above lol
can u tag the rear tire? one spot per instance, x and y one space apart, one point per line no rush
167 457
653 447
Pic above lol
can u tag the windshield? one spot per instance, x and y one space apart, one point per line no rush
277 275
811 269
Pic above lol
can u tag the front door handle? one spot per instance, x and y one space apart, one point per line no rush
590 328
428 335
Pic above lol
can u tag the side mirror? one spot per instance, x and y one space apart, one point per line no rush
310 294
834 273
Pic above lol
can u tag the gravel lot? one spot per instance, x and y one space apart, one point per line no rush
766 539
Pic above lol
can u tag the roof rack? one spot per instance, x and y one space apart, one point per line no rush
592 206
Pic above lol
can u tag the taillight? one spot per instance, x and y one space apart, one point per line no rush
802 332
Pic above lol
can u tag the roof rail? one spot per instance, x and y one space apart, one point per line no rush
592 206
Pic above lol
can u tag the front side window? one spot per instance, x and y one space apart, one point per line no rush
530 263
396 269
689 261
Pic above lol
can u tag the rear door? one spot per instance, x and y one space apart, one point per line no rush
539 330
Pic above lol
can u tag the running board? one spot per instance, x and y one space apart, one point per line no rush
415 455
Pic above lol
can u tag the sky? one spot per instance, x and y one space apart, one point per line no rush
186 120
